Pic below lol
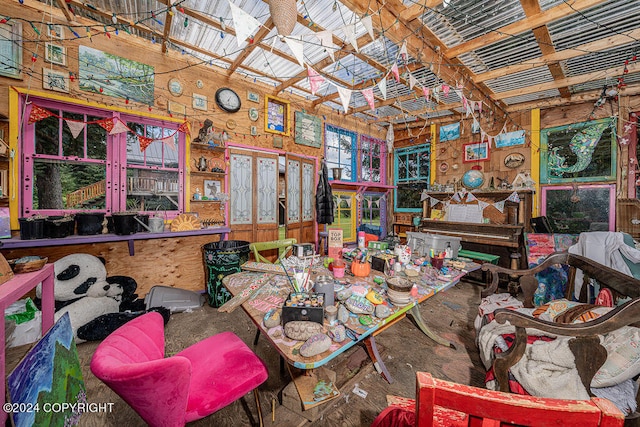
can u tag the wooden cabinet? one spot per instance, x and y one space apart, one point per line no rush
208 170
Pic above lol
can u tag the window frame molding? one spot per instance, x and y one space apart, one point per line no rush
426 147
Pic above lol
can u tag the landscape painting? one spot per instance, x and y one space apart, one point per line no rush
49 375
112 75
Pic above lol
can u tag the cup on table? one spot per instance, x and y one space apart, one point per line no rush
437 262
331 313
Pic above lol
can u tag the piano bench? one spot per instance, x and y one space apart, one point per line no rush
479 256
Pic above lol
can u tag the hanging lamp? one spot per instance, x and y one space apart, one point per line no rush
284 14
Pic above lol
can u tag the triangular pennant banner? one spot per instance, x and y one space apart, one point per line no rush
37 114
456 197
482 204
514 197
434 202
445 90
184 127
144 142
403 51
350 32
348 202
499 206
424 196
369 203
366 21
345 97
75 127
297 48
368 95
315 80
326 40
118 127
106 124
412 81
382 85
425 91
243 23
396 73
169 141
471 197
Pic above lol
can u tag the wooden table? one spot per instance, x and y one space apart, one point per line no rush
15 289
276 288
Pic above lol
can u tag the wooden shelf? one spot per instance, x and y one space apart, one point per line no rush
205 173
207 147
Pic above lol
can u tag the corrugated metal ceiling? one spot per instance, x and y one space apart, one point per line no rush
455 43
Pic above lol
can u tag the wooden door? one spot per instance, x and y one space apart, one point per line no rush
300 179
253 190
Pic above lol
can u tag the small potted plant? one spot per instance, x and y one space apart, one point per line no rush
32 227
58 226
89 223
124 223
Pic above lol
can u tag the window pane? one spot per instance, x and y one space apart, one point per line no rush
96 139
72 146
134 155
150 190
47 133
68 185
409 195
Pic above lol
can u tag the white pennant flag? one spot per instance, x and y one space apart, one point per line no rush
348 202
382 85
350 32
403 51
118 127
345 97
296 47
456 197
499 206
369 203
366 21
75 127
243 23
514 197
482 204
326 40
434 202
390 138
424 196
170 142
412 81
471 197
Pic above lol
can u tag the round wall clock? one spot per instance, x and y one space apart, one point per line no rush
175 87
253 114
228 100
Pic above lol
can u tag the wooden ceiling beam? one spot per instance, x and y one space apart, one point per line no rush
257 39
585 49
418 9
555 13
65 10
570 81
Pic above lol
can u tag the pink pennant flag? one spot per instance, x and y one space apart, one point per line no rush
118 127
184 127
403 51
425 90
368 95
75 127
37 114
169 140
445 90
396 73
315 80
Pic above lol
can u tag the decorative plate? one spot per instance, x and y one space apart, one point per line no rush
444 166
199 84
175 87
231 124
514 160
253 114
185 222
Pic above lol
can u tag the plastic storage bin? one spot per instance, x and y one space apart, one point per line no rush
422 243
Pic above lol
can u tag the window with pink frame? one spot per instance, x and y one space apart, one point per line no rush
62 173
373 155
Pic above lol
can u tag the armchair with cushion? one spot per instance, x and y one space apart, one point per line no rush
171 391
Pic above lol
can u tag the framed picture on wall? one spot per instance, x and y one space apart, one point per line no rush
581 152
211 188
276 112
11 48
573 209
55 54
475 152
55 80
308 129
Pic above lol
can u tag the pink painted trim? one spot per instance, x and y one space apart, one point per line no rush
612 199
633 170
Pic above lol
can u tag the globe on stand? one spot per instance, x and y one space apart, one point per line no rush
473 179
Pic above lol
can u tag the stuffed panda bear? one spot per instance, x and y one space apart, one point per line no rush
97 304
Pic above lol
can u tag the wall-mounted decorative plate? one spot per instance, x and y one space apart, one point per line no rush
199 84
444 166
253 114
514 160
231 124
175 87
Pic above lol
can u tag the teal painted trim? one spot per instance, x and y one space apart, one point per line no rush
405 152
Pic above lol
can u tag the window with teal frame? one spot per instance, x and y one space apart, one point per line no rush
341 151
411 172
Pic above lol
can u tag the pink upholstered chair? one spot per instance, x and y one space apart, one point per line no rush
190 385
